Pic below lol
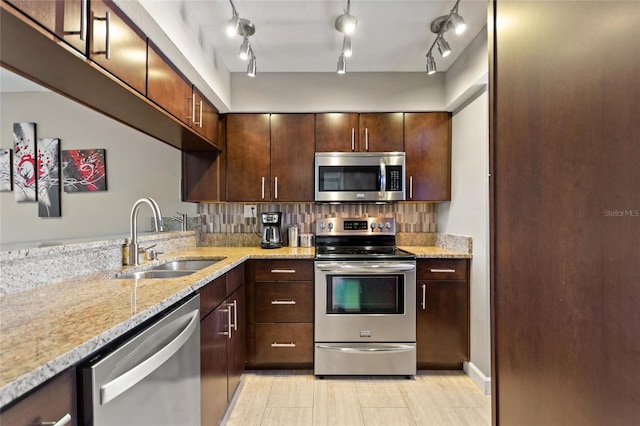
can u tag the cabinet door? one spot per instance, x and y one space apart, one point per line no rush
382 132
205 117
167 87
284 344
236 348
50 403
117 45
292 149
427 143
248 157
213 365
442 330
63 18
337 132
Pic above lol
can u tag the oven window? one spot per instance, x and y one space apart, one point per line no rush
369 294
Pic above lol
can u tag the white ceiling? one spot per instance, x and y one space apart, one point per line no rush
300 36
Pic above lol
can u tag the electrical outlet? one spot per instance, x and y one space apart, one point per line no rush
250 210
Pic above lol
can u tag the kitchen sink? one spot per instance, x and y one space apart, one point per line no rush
172 269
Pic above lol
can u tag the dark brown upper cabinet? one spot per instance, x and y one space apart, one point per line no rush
381 132
117 45
427 143
64 18
337 132
204 116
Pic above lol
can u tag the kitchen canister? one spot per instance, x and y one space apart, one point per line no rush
293 236
306 240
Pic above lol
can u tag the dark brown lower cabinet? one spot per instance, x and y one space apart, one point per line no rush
47 405
222 343
443 313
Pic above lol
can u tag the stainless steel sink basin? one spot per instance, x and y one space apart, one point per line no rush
185 265
155 274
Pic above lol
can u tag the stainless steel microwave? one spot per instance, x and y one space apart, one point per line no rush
359 176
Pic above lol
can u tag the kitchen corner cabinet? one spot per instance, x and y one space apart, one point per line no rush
51 403
280 314
381 132
117 45
427 143
442 329
63 18
222 343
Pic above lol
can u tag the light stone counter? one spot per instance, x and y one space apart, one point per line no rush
428 252
45 330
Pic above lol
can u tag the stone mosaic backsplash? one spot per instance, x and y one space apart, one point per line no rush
228 218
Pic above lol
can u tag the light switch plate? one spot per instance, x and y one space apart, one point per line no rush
248 212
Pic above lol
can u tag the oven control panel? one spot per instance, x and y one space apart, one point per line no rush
365 226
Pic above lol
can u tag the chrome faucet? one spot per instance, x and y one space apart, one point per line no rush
183 220
133 238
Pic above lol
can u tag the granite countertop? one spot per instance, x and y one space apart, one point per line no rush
50 328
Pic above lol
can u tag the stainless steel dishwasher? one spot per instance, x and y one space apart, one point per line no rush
153 378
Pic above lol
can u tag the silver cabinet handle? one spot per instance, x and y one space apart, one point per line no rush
276 186
107 38
200 122
283 345
235 314
410 187
125 381
263 187
66 419
283 271
353 139
229 321
83 25
366 139
444 271
283 302
424 297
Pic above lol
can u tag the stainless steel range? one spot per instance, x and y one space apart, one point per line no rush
365 299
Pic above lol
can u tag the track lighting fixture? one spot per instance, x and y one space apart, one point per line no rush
346 24
244 49
342 65
252 68
244 28
347 46
439 26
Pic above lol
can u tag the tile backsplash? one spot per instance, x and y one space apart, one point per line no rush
228 217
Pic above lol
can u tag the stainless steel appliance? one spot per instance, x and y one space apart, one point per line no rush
151 379
365 299
271 232
359 176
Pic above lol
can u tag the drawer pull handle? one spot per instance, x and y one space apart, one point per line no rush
283 271
66 419
283 345
283 302
445 271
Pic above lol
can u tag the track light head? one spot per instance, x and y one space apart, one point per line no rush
443 47
431 64
458 23
346 23
232 26
252 68
342 65
244 49
347 46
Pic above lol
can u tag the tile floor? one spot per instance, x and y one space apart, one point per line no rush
298 398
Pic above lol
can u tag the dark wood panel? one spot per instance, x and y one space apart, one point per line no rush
427 143
205 119
211 295
49 403
248 157
128 45
299 334
290 301
213 366
292 150
337 132
565 282
235 278
167 87
236 348
384 132
442 269
283 270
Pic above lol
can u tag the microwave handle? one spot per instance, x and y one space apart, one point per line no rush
383 179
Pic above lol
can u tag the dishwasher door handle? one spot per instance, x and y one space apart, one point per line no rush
129 379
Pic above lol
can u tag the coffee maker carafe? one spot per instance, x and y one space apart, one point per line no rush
271 234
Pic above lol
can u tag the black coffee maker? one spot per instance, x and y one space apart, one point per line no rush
271 233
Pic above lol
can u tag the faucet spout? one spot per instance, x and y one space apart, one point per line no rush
133 237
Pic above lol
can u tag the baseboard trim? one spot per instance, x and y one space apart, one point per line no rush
483 382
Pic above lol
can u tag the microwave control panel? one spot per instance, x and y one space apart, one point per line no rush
394 178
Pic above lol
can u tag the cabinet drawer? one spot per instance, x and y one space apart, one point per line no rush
211 295
442 269
284 343
290 301
284 270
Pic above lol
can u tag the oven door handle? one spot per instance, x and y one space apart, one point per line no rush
369 268
399 348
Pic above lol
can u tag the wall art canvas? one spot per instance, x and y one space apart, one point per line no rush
24 161
5 170
49 177
84 170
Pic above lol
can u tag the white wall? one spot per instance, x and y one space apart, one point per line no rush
137 166
469 73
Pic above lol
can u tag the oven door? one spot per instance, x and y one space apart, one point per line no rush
365 301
